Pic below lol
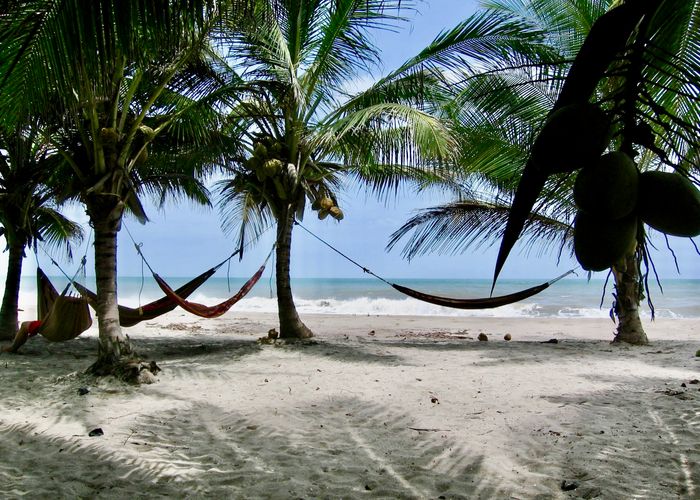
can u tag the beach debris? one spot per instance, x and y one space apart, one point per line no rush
270 338
550 341
680 394
483 337
426 429
507 337
372 332
697 353
694 381
434 399
96 432
138 372
82 391
569 485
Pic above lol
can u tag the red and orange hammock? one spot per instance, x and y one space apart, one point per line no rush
130 316
202 310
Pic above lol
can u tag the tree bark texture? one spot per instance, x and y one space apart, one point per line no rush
105 213
628 295
291 326
10 300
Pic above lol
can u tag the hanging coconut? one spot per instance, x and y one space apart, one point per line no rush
600 243
326 203
323 213
276 148
260 151
272 167
147 131
316 205
669 203
109 137
252 164
607 188
336 213
572 137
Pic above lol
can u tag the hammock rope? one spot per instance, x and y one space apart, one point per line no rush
204 311
195 308
364 269
475 303
130 316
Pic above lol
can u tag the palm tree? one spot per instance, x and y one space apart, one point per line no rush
28 212
115 80
645 80
304 135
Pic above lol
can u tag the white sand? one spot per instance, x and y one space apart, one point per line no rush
377 407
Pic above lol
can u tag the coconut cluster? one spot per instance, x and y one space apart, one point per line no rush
326 206
269 158
613 198
269 162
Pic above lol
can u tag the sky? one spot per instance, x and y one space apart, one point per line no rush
183 240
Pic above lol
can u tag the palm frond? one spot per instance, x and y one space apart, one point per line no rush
56 231
456 227
243 210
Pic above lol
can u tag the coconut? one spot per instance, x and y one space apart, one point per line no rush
607 188
572 137
252 164
260 151
147 131
109 137
326 203
272 167
600 243
670 203
336 213
316 205
323 213
276 148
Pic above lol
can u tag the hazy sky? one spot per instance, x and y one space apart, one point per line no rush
183 241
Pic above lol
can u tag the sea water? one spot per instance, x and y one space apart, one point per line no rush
570 297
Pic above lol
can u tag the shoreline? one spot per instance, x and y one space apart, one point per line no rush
374 406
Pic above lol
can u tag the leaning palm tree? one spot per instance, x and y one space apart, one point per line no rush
303 134
28 213
645 81
114 80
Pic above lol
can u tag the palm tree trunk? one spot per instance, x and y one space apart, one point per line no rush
627 299
291 327
105 213
10 300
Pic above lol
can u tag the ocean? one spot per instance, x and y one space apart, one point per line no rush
570 297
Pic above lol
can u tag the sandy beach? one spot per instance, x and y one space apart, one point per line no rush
374 407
